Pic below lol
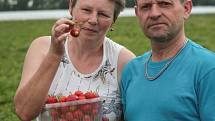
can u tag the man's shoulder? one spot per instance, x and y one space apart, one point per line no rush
202 56
139 59
201 52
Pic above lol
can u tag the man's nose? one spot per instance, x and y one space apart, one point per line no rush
155 11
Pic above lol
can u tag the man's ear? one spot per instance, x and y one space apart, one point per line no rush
187 8
136 11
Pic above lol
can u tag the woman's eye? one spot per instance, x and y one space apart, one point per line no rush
103 14
86 10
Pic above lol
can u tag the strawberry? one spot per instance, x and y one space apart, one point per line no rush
87 118
78 114
75 32
54 115
95 112
81 97
62 119
51 99
69 116
79 93
90 95
63 99
72 97
86 108
96 105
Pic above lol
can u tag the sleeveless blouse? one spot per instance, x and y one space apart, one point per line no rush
103 80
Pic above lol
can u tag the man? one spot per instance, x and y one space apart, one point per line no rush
175 81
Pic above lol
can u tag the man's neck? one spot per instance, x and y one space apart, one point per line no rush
165 50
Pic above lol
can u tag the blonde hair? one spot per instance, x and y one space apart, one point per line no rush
119 6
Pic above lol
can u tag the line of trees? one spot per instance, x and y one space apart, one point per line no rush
7 5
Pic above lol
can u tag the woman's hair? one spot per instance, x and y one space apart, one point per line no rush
119 6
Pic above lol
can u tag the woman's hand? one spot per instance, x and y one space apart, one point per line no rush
60 31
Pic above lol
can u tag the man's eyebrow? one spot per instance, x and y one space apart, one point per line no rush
165 1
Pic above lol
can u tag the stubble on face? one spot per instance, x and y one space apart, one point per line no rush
165 26
164 32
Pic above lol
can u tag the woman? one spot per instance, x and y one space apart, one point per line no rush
61 64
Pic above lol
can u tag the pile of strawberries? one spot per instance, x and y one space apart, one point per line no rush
78 95
81 112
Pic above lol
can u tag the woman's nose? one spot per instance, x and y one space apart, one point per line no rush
93 18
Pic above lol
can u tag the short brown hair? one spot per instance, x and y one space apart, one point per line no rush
119 6
135 1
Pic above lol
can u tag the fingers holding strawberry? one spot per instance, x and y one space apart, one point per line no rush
60 31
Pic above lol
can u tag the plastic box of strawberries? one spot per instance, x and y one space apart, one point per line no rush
77 106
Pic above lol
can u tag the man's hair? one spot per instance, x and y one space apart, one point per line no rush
119 6
135 1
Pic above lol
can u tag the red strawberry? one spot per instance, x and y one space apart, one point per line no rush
87 118
86 108
62 119
90 95
95 112
79 93
51 99
78 114
82 97
63 99
75 32
72 97
69 116
96 105
54 115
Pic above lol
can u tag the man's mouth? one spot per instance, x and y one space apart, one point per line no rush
156 25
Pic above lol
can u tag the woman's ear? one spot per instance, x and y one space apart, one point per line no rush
70 6
187 8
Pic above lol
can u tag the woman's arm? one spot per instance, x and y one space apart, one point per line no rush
39 69
124 56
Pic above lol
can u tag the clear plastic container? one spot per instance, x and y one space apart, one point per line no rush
79 110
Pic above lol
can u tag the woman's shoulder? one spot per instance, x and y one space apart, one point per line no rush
42 42
110 43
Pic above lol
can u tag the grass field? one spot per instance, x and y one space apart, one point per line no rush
16 36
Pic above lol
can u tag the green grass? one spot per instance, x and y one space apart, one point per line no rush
16 36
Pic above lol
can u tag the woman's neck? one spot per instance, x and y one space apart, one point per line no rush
85 48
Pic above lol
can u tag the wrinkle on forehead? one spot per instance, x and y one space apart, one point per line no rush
154 1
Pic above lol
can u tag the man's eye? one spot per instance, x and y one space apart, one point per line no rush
146 7
164 4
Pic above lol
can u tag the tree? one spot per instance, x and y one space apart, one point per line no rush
64 4
4 5
130 3
22 5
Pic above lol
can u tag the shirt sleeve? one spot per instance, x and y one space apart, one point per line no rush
125 78
207 97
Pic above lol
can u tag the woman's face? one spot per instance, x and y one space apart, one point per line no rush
97 16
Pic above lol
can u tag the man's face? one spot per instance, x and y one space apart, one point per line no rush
161 20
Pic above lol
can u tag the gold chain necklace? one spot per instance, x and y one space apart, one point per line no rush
152 78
